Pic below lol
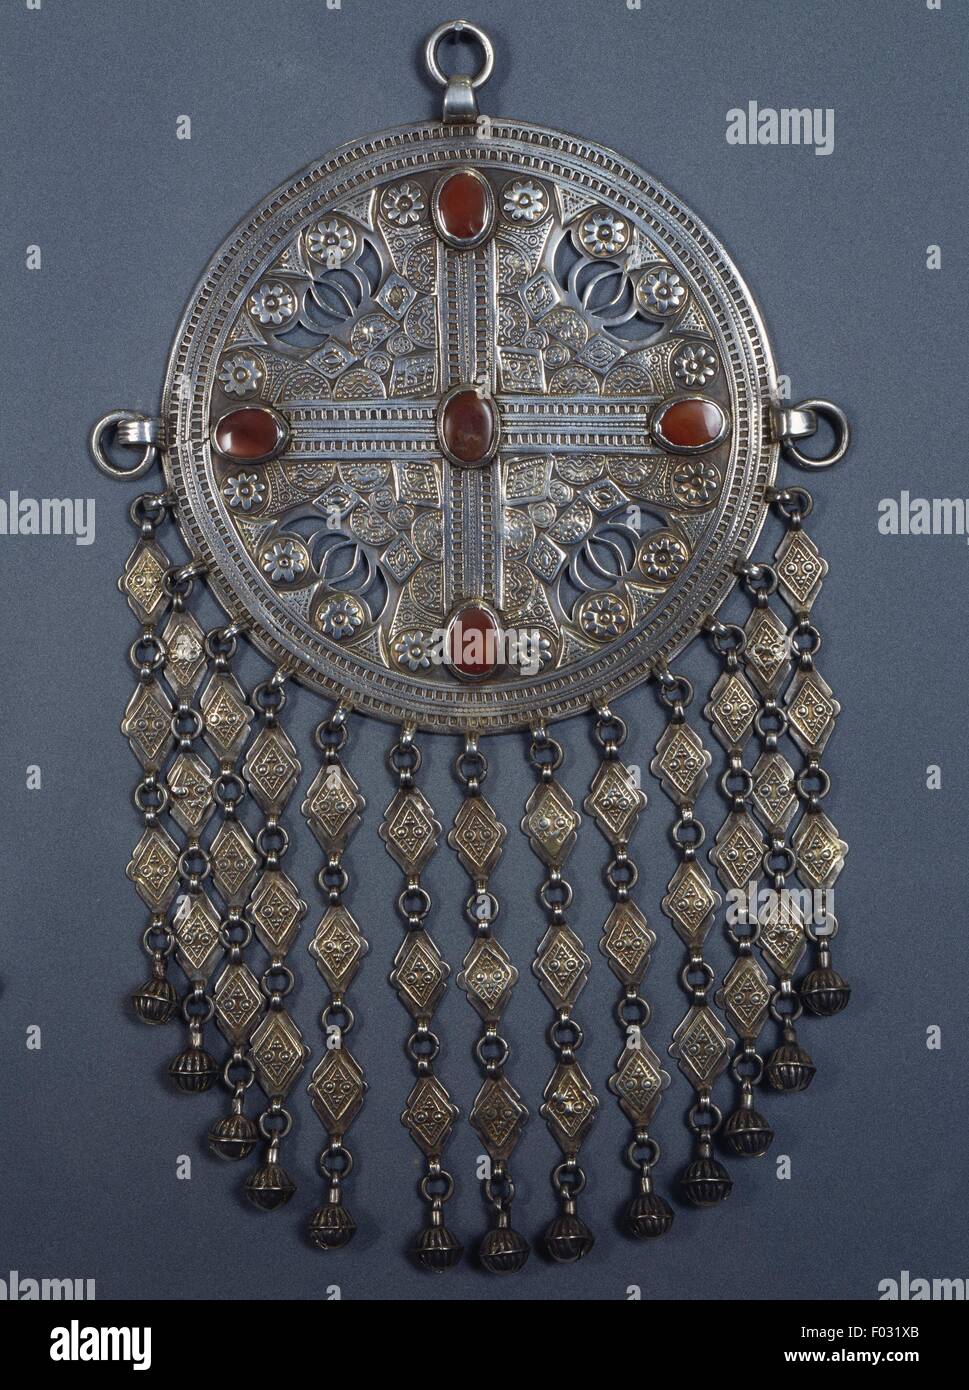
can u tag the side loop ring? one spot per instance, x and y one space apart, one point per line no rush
136 425
805 412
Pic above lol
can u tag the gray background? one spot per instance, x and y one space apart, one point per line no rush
834 249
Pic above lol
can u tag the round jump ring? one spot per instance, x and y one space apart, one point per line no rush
110 422
838 421
459 27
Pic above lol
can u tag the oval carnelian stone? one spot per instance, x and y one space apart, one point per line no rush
472 644
695 423
463 207
468 426
249 434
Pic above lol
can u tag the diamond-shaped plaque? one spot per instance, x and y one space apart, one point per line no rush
498 1116
561 966
615 801
147 724
739 851
333 807
639 1082
626 942
477 837
551 822
143 582
196 925
800 570
401 558
271 769
745 997
690 903
569 1106
338 948
234 862
767 651
701 1047
238 1002
190 796
773 794
227 716
811 711
820 851
420 974
782 942
153 868
184 654
681 763
731 709
336 1091
409 830
276 910
429 1115
278 1053
488 977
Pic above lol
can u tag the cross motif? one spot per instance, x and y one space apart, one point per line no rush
405 430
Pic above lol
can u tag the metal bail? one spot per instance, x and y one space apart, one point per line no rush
460 91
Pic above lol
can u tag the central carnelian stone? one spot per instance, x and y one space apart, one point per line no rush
472 645
463 208
468 426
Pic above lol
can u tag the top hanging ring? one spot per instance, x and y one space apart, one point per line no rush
460 101
458 27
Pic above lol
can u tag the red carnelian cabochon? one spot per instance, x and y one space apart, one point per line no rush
463 207
250 433
468 426
473 642
692 424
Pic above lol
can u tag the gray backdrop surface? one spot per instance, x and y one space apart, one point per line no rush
834 248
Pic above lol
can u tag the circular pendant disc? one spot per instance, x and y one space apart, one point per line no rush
538 391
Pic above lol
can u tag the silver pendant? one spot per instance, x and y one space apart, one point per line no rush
472 426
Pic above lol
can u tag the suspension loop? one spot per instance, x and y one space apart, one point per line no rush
126 429
801 422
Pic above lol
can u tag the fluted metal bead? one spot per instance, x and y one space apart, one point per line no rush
705 1182
503 1251
155 1001
331 1226
437 1249
233 1137
824 992
193 1070
747 1133
649 1215
568 1238
269 1187
790 1067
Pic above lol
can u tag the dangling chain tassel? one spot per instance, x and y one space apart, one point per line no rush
410 832
738 855
333 809
780 923
562 967
276 1049
615 801
700 1044
488 978
234 861
812 711
191 802
153 868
